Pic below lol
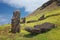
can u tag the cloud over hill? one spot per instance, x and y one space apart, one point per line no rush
30 5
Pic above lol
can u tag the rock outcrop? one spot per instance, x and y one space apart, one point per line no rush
46 4
58 2
50 2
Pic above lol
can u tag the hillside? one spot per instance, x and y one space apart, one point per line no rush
52 14
47 10
38 12
53 11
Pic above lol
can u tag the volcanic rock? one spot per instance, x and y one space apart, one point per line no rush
40 28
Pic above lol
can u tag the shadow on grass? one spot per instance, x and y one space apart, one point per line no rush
49 16
52 15
33 35
32 21
30 35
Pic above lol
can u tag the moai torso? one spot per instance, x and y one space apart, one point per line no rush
15 22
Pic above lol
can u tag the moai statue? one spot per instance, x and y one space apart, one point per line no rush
24 20
15 22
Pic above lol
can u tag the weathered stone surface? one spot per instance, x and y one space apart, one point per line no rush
33 30
29 29
41 28
50 2
15 22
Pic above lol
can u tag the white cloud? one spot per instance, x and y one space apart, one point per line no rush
3 20
30 5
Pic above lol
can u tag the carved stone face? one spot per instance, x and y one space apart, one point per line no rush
16 13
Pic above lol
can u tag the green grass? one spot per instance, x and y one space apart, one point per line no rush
54 34
52 19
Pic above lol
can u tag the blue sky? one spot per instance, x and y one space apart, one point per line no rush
25 6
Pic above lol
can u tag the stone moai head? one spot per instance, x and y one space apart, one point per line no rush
16 13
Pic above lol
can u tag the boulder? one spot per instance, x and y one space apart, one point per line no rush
32 30
41 28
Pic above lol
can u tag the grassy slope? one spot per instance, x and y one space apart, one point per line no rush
50 10
54 34
37 13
